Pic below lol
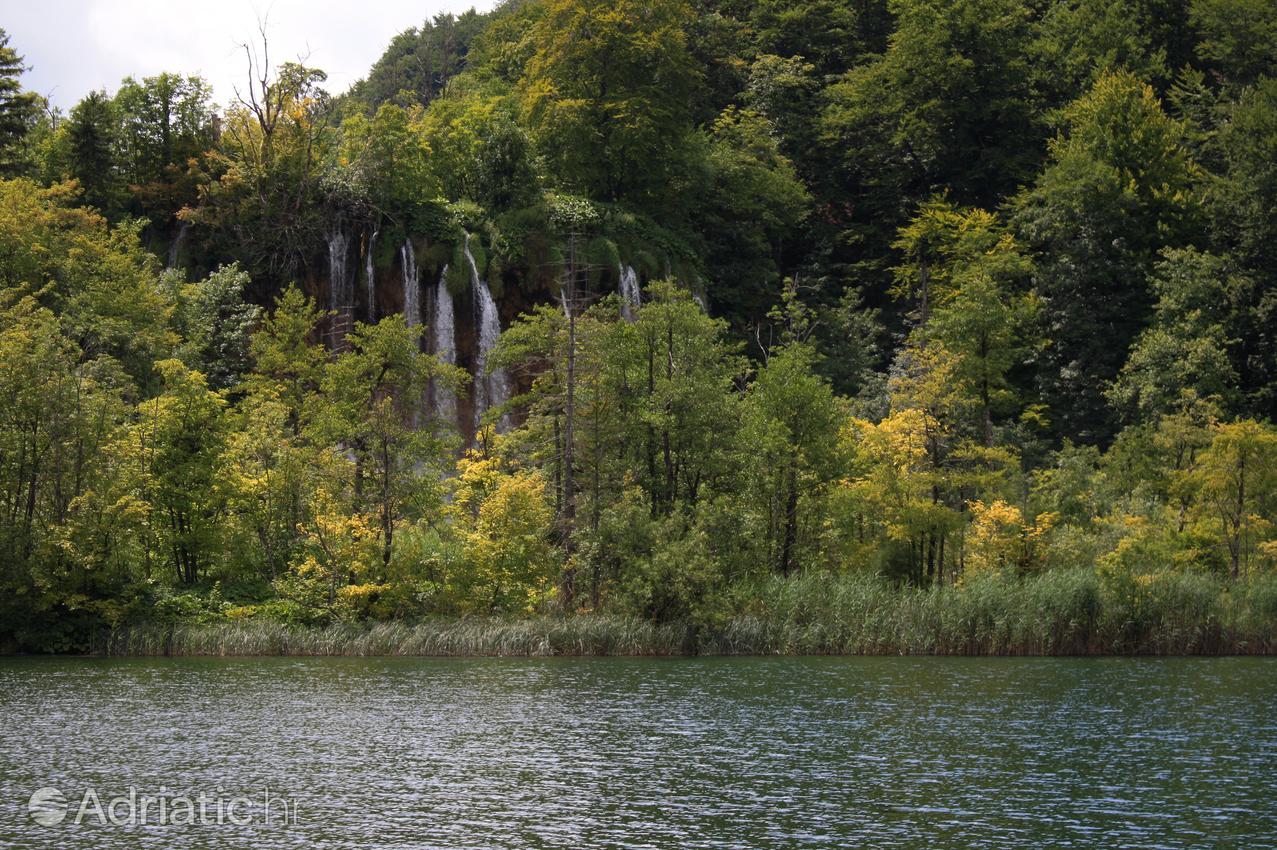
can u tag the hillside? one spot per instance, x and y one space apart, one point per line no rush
647 308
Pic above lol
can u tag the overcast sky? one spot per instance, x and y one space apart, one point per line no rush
75 46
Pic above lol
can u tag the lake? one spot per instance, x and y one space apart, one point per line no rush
931 753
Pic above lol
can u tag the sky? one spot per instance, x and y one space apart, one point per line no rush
76 46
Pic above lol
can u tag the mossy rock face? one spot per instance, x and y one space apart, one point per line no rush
601 251
686 273
438 254
480 255
496 277
647 264
385 251
458 276
465 215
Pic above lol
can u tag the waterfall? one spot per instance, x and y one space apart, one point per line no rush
368 277
339 291
445 346
411 286
490 390
174 250
631 296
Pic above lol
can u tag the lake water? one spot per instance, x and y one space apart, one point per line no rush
928 753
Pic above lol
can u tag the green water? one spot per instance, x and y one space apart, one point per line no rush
674 753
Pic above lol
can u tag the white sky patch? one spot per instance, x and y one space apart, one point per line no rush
76 46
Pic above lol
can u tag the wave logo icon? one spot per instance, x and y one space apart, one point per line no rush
48 806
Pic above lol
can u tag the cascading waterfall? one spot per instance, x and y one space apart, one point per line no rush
411 286
340 293
631 295
445 346
490 390
369 280
175 250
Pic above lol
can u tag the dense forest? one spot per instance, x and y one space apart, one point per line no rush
652 309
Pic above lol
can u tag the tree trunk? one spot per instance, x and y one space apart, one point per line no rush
1238 514
387 516
568 519
790 536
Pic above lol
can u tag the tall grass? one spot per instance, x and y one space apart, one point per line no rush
1064 612
542 636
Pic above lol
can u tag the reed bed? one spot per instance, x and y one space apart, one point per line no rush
541 636
1056 613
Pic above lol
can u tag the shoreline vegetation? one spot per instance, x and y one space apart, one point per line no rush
650 326
1062 613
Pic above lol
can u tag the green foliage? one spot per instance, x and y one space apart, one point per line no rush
753 202
1118 189
1238 37
947 104
387 160
419 62
18 110
480 151
973 295
273 148
1183 356
215 324
605 93
1081 40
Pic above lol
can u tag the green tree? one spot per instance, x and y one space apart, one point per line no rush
421 60
266 202
831 34
606 94
370 402
166 131
1238 38
275 470
1119 188
97 280
215 324
1235 479
1184 354
753 205
389 160
175 454
1240 197
654 405
67 536
786 91
18 111
1077 41
91 132
989 329
481 152
947 104
791 430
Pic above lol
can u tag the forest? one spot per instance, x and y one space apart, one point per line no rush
703 317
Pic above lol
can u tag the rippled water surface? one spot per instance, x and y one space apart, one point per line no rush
672 753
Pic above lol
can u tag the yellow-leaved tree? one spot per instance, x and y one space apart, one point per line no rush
505 521
1235 484
999 538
